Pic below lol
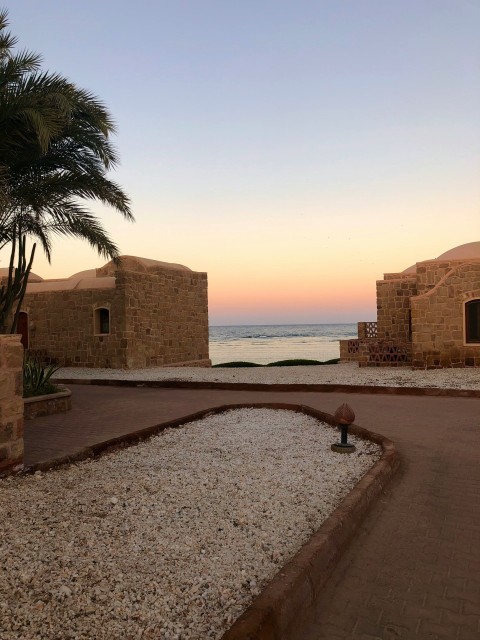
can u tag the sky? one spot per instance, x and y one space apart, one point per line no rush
294 151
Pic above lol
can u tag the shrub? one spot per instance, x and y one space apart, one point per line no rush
299 362
236 364
36 376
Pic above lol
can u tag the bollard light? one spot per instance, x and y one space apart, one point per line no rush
344 416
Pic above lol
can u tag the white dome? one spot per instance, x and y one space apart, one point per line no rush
469 251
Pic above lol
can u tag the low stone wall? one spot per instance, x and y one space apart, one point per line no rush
384 353
11 403
349 350
47 405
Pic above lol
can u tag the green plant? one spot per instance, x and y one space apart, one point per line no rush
297 362
36 376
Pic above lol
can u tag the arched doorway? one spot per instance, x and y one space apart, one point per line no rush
22 328
472 322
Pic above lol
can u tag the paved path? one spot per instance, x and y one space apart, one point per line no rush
414 569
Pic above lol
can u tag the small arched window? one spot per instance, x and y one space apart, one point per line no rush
472 321
102 321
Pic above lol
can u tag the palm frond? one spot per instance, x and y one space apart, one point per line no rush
55 152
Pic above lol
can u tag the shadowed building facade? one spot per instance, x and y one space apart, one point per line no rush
139 313
427 316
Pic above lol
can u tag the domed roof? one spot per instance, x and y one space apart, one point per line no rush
144 264
32 277
468 251
462 252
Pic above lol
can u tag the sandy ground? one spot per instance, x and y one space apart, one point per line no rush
348 373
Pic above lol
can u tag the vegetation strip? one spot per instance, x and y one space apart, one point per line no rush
297 362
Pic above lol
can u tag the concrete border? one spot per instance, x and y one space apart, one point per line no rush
246 386
289 599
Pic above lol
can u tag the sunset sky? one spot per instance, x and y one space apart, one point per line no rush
295 151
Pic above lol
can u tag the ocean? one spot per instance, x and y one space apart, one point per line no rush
269 343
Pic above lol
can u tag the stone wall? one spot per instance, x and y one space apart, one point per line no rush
438 337
166 318
158 316
383 353
61 325
430 272
367 330
11 403
393 308
349 350
421 318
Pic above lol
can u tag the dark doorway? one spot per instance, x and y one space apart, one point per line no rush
472 321
22 327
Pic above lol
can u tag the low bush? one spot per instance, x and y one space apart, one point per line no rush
36 376
299 362
234 365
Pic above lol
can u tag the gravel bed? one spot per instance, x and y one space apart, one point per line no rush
345 373
172 538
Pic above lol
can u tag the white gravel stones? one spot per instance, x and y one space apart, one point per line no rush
172 538
345 373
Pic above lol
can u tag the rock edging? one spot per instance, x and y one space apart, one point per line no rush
289 599
47 405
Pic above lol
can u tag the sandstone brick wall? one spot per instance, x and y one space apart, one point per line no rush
158 316
430 272
367 330
61 324
11 403
421 317
438 337
349 350
393 308
166 318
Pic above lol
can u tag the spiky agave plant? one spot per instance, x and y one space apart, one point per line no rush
37 376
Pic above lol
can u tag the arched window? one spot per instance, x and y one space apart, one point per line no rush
102 321
472 321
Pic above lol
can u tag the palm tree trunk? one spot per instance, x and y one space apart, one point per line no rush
12 292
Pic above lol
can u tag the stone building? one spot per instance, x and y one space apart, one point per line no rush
427 316
140 313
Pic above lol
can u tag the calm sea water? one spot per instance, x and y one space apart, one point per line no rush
269 343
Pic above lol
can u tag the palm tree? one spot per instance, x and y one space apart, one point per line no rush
55 153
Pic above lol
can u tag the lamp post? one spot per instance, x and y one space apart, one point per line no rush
344 416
